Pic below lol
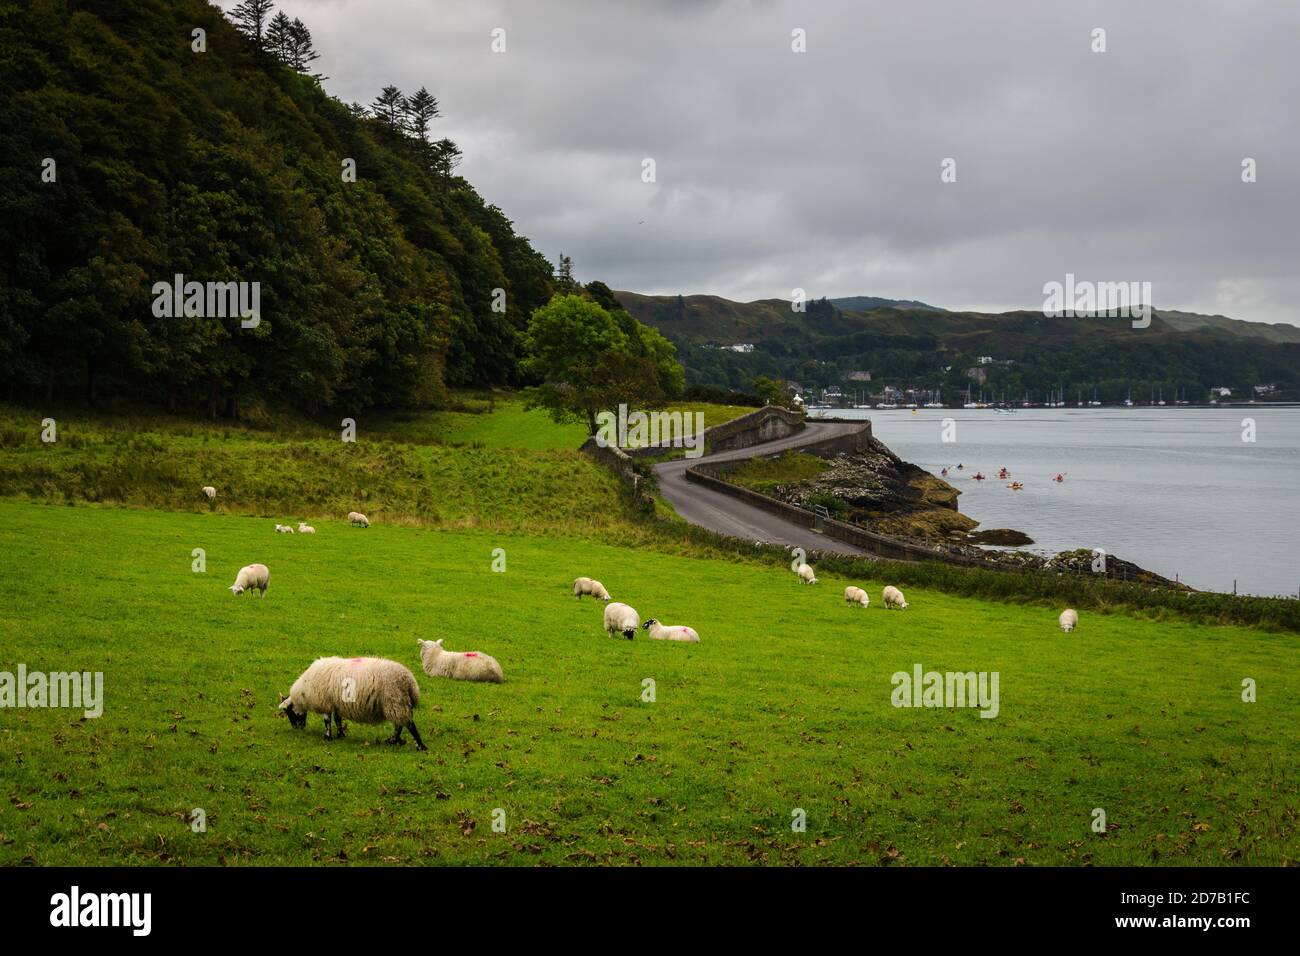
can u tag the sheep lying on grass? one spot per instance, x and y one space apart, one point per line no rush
459 665
209 491
305 528
670 632
357 518
1069 619
806 574
283 529
369 690
621 619
894 598
252 577
854 595
583 586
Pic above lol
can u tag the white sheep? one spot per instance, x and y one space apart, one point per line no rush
1069 619
369 690
251 577
894 598
305 528
805 573
356 517
210 491
459 665
283 529
583 586
854 595
670 632
619 618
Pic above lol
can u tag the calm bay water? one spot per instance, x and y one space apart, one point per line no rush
1175 490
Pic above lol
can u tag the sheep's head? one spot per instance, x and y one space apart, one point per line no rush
629 632
429 649
296 719
236 589
647 624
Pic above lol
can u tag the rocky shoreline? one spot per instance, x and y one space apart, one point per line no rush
877 490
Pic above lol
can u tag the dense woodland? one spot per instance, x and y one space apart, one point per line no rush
228 164
933 349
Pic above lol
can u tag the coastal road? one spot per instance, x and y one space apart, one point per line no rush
731 516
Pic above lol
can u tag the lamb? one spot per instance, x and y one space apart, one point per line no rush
210 491
853 595
1069 619
369 690
283 529
305 528
459 665
894 598
670 632
251 577
583 586
356 517
806 573
621 618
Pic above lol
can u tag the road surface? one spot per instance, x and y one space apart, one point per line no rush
723 513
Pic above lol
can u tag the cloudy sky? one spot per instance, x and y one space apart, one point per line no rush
821 170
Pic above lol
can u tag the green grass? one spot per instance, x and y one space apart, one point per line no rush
784 704
765 474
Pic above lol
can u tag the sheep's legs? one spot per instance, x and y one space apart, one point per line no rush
397 735
419 744
328 735
338 723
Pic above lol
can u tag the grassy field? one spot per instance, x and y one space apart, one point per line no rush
783 706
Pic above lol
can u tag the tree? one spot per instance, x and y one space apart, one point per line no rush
446 157
587 363
279 37
388 108
301 52
564 274
250 16
420 109
773 392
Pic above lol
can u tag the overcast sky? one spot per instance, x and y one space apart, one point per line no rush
821 170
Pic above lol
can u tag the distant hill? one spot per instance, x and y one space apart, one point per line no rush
923 347
865 303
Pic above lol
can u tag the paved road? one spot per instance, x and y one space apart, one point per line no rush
728 515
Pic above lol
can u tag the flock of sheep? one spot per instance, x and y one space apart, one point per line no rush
374 690
893 598
623 619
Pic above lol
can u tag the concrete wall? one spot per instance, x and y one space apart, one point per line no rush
764 424
878 544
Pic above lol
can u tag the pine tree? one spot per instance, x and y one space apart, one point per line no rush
420 109
250 16
301 52
446 157
388 108
279 37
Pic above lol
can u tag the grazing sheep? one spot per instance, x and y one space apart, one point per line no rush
283 529
805 573
210 491
619 618
459 665
670 632
305 528
357 518
583 586
854 595
894 598
1069 619
251 577
369 690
